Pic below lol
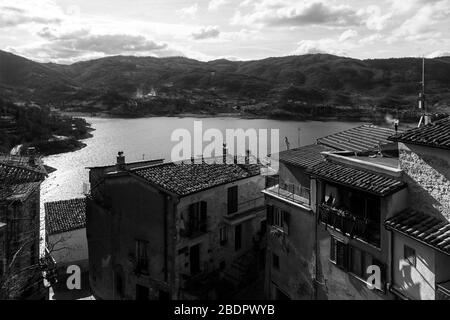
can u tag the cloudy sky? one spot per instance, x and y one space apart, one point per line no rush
65 31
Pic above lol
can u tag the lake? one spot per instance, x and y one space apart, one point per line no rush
150 138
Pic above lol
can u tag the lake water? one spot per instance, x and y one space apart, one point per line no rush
150 138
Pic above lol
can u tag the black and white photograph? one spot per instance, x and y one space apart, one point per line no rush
224 155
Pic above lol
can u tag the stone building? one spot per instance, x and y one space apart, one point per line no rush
421 234
174 230
300 237
20 272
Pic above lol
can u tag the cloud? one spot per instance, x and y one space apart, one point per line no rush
16 13
216 4
276 13
82 44
438 53
188 12
206 33
326 45
348 34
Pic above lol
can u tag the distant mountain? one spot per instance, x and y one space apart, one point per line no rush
312 79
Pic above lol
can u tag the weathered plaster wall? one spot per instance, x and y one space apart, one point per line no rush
70 248
212 253
415 282
138 212
295 250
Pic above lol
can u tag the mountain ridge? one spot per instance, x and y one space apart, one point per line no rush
314 79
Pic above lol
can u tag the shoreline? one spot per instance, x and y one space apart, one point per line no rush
104 115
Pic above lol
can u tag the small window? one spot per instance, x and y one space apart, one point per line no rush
232 200
141 256
409 255
281 219
223 236
338 253
275 262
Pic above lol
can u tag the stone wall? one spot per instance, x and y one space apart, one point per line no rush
427 172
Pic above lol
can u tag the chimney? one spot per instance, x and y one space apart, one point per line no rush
224 153
192 160
120 161
235 159
247 156
31 151
396 126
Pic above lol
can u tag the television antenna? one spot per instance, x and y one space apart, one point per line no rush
425 117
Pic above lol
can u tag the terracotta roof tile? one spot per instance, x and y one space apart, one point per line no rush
187 178
422 227
435 134
357 178
307 156
362 139
65 215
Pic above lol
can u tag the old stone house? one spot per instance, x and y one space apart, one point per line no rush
20 272
174 230
421 234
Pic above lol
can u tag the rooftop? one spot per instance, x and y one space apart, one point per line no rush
422 227
186 178
435 134
363 180
18 181
307 156
65 215
362 139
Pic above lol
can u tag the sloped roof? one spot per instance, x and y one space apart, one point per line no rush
435 134
17 181
65 215
357 178
17 174
306 157
187 178
362 139
422 227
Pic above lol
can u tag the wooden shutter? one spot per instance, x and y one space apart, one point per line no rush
270 215
203 215
285 217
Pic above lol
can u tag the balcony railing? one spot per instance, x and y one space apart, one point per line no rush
289 191
350 224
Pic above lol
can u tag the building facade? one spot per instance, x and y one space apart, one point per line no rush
421 254
173 230
20 271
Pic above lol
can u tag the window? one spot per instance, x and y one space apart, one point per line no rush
142 293
141 256
223 236
338 253
278 218
232 200
197 217
409 255
222 265
262 227
275 262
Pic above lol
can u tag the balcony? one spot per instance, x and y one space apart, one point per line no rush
289 191
195 228
350 224
244 207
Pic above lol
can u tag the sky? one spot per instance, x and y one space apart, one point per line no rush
66 31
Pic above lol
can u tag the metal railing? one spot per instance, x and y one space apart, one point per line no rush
290 191
350 224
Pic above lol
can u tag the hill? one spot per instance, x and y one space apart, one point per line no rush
291 84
